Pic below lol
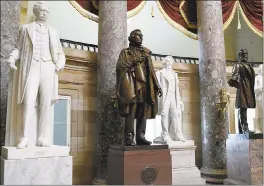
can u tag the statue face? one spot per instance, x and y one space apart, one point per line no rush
136 37
167 62
42 12
243 55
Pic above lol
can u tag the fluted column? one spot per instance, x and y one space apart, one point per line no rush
112 39
10 12
212 72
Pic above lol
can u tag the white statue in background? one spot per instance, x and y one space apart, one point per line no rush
170 104
40 56
258 120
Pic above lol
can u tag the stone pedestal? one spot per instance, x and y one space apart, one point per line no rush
244 159
184 170
36 166
139 165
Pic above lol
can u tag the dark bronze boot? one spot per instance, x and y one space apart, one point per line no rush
141 140
245 129
129 140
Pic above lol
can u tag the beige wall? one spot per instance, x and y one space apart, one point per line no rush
78 80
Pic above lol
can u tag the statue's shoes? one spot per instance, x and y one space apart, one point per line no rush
166 138
43 142
141 140
23 143
129 139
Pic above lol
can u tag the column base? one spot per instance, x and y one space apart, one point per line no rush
37 168
214 176
99 181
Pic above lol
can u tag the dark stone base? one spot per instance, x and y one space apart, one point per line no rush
213 176
139 165
232 182
138 147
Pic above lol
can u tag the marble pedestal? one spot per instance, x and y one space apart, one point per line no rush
184 170
244 159
36 166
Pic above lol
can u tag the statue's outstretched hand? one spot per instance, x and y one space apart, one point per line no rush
11 63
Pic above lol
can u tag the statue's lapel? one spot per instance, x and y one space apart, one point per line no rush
163 72
30 30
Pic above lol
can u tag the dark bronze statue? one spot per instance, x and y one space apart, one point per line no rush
137 89
243 79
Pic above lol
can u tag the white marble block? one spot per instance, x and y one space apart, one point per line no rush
36 166
184 170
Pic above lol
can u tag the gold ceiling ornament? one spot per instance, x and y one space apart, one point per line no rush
152 11
93 17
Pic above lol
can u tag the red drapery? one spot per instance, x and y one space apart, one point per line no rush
253 10
182 14
92 5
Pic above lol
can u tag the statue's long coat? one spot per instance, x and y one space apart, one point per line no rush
23 52
244 77
129 82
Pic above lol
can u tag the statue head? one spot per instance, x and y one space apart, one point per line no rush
243 55
260 70
135 38
41 11
167 62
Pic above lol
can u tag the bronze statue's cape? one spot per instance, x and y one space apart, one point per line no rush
243 77
130 80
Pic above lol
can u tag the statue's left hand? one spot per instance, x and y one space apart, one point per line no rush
58 67
160 92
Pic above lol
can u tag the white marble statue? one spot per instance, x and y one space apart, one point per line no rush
170 104
39 57
258 120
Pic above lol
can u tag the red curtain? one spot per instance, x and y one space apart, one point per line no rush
172 9
227 8
253 9
92 5
184 13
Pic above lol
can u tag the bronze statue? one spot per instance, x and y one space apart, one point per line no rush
137 89
243 79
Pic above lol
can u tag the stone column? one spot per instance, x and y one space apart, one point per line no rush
212 72
10 12
112 38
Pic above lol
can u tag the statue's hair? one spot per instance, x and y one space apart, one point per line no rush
37 6
168 58
131 33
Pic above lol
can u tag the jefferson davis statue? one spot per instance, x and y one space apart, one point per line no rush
137 89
